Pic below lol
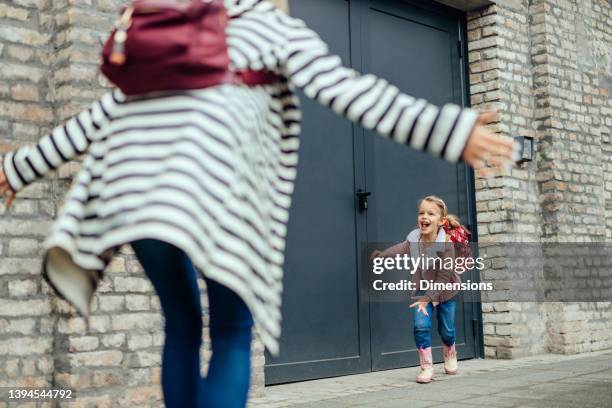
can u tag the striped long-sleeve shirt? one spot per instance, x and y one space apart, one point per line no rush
212 171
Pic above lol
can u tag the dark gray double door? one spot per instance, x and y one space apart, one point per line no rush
330 327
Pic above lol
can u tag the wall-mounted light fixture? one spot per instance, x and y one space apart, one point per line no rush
526 148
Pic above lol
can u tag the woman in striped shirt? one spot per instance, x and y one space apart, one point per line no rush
204 178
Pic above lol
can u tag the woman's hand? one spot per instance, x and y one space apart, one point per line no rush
6 188
484 146
421 306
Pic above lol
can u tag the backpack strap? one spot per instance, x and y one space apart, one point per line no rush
254 78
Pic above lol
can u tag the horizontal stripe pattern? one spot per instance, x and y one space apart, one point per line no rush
212 171
373 102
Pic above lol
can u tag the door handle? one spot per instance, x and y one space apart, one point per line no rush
363 199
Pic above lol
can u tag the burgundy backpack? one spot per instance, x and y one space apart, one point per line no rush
160 45
460 237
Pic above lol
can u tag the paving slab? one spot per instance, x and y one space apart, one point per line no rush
544 381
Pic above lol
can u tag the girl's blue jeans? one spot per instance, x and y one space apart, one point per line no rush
445 312
175 281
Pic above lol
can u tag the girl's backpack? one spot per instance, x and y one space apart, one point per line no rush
460 237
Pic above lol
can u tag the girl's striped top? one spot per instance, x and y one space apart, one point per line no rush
212 171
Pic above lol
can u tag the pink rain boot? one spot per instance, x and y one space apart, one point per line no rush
427 368
450 359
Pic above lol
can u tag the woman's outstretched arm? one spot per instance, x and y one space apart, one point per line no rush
30 162
381 106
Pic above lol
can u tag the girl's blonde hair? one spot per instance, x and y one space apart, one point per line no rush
281 4
453 220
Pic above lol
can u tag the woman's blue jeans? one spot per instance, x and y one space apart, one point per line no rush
446 323
175 281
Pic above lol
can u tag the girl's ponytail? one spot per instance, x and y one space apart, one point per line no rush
454 222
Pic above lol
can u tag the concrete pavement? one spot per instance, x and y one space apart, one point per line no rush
547 381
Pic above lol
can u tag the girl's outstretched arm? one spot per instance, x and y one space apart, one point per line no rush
380 106
30 162
397 249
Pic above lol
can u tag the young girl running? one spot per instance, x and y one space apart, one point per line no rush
435 226
203 178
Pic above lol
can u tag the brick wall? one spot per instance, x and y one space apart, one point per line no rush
26 322
49 53
545 65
